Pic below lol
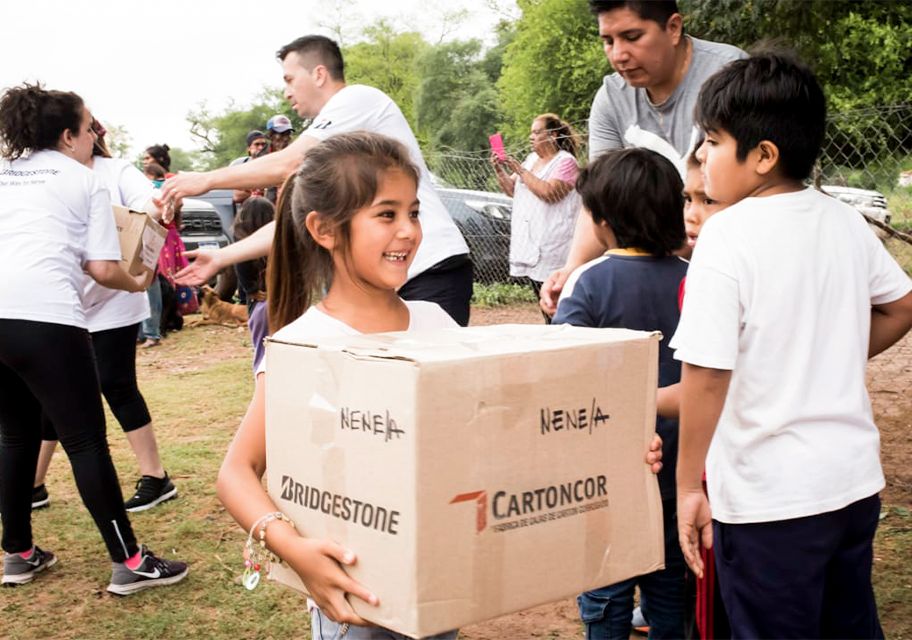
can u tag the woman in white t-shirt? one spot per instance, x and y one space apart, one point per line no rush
545 203
353 231
55 223
113 318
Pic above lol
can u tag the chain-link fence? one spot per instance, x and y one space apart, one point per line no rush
864 149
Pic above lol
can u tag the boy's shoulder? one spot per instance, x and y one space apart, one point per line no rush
574 277
750 211
597 275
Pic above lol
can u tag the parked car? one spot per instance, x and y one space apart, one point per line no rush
483 218
201 226
871 203
222 200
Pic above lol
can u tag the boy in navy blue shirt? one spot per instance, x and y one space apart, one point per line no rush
634 196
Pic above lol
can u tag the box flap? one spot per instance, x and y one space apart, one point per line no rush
469 342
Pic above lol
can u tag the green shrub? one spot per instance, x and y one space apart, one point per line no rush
501 294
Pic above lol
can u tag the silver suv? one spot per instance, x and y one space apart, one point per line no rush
201 226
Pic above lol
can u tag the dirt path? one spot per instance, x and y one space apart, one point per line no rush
890 387
889 381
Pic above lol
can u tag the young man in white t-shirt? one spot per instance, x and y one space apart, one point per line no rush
315 85
788 294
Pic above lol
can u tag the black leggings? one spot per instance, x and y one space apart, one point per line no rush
50 367
115 358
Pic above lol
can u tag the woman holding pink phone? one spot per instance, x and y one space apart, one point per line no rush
545 204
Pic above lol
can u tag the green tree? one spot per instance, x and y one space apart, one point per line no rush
555 63
860 50
184 160
181 160
223 135
118 140
456 102
387 59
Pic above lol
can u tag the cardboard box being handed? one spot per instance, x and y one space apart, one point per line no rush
475 472
141 240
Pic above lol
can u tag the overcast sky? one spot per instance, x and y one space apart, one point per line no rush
144 65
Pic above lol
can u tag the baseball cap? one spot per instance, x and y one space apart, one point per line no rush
279 124
253 135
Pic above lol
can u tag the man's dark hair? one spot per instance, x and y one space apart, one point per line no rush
656 10
320 48
637 193
33 118
769 96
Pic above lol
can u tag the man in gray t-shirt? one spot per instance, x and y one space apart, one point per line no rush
648 101
618 105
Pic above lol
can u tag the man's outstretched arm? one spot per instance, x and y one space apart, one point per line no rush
265 171
207 263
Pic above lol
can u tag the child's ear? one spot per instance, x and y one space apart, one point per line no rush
767 157
320 231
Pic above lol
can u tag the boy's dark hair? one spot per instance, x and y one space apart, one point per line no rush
692 161
656 10
154 171
254 213
317 50
769 96
637 193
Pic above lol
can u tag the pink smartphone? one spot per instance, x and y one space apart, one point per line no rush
497 146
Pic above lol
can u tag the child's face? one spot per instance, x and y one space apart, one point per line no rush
697 205
725 178
385 234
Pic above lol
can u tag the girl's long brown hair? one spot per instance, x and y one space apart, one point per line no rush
338 177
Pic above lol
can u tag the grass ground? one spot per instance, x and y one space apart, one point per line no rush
197 385
899 203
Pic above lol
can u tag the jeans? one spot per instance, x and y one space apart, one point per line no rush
606 612
151 326
322 628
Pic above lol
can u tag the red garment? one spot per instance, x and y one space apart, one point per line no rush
707 594
171 259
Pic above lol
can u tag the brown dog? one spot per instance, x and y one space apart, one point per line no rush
217 311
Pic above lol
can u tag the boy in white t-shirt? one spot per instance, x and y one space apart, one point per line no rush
788 294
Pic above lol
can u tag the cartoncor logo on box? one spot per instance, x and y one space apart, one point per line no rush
527 508
359 512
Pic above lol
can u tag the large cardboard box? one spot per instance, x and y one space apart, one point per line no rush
141 240
475 472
